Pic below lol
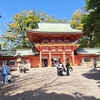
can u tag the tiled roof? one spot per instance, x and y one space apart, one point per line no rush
87 50
55 27
22 52
7 52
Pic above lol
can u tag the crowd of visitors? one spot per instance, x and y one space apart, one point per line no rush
23 67
6 74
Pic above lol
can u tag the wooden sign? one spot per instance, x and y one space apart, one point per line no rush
18 59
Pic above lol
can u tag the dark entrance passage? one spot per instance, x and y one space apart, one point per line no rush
54 61
45 62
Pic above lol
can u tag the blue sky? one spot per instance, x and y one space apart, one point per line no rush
59 8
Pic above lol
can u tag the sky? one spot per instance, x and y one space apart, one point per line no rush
59 8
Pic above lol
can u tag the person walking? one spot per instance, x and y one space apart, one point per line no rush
67 67
95 64
5 72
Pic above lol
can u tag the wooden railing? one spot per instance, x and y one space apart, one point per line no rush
56 44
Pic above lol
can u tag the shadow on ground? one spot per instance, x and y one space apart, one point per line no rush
40 94
6 92
93 74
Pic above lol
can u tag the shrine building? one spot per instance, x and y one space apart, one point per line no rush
55 41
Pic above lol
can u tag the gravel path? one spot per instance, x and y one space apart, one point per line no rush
44 84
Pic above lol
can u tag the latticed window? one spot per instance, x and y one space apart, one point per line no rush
53 49
86 59
11 62
60 49
97 59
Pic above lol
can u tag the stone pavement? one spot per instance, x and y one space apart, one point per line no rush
44 84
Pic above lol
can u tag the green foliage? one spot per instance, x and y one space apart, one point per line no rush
77 24
76 19
22 22
91 22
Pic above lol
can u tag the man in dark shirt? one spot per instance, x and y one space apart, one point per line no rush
67 67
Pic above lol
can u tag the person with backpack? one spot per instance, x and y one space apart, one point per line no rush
5 72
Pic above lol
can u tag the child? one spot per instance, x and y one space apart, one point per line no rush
9 78
70 67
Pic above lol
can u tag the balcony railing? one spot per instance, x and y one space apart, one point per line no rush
55 44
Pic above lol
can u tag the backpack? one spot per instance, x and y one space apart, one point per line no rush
5 70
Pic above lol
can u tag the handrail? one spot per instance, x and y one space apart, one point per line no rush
55 44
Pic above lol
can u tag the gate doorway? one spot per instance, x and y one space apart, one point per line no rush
54 61
45 62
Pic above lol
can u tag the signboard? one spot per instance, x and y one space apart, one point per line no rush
55 59
19 59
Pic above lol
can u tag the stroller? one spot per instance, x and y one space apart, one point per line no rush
9 78
60 69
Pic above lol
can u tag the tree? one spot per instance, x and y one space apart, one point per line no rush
76 19
91 22
22 22
77 24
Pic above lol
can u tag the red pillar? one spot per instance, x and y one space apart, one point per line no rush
49 64
64 55
40 64
72 57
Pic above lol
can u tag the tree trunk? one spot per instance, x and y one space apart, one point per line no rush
91 44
